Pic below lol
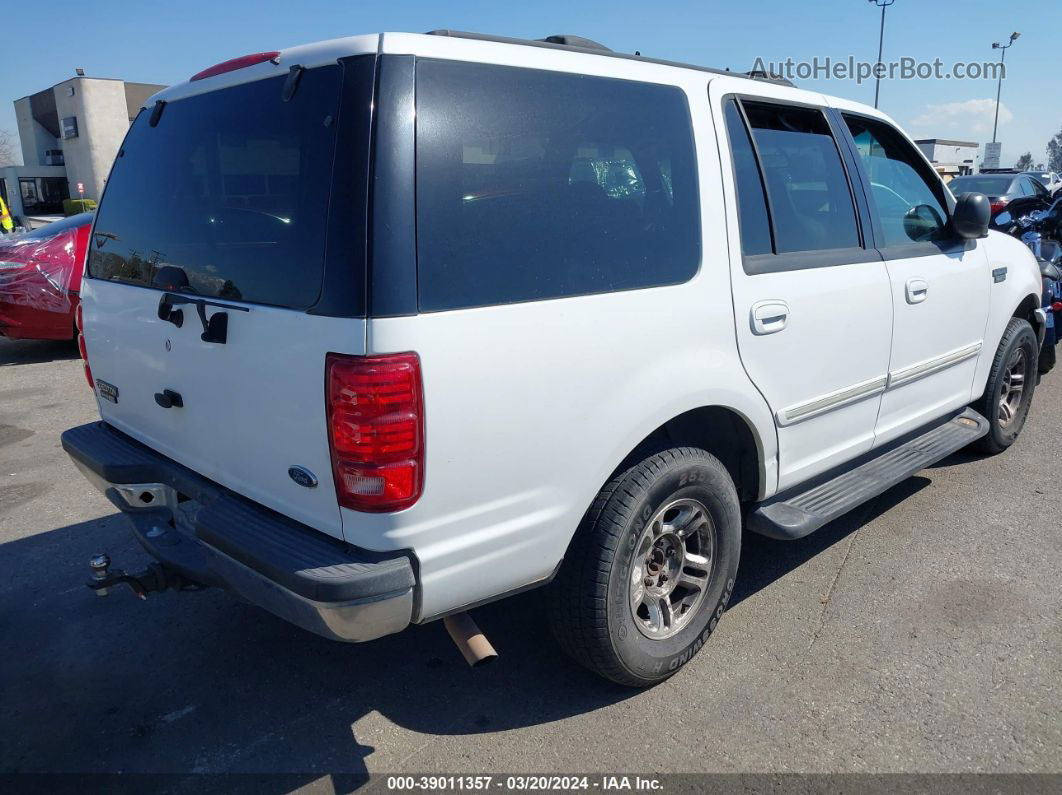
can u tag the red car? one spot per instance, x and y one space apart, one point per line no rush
40 278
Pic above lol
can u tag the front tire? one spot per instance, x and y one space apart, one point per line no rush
651 568
1009 391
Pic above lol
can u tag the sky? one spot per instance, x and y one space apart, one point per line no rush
165 43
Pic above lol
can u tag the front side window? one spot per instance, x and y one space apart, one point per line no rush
535 185
810 200
908 201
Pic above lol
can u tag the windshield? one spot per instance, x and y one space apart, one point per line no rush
228 193
990 186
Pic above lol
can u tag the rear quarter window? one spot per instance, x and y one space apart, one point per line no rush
534 185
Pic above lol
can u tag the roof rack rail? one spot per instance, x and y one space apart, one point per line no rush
591 47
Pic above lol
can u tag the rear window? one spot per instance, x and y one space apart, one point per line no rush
535 185
990 186
231 189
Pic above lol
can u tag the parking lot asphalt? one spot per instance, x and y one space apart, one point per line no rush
921 633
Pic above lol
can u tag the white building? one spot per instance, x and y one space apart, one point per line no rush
950 158
70 134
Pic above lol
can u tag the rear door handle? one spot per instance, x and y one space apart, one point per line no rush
769 317
917 291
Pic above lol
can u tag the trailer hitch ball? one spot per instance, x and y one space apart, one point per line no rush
100 564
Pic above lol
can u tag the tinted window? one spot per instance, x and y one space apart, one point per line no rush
752 206
988 185
534 185
908 200
811 204
230 189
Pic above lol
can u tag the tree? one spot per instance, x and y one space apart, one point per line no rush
7 149
1054 153
1024 162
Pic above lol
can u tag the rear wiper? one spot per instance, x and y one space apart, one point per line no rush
215 328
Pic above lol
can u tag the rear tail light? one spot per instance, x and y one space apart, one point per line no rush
235 63
997 206
376 430
79 322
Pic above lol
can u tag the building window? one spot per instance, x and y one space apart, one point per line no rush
53 191
30 198
69 127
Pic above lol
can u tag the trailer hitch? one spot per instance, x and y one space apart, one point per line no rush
155 578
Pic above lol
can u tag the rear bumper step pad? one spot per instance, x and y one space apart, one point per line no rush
795 514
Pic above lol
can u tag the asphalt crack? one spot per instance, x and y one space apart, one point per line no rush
820 623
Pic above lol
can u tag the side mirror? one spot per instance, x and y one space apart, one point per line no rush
971 215
922 222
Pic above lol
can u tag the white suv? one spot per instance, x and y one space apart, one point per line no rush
390 326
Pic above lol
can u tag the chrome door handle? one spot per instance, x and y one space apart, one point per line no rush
769 317
917 291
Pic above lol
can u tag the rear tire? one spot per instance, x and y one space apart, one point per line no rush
651 568
1009 391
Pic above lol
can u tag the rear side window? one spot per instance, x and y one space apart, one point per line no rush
810 201
230 190
535 185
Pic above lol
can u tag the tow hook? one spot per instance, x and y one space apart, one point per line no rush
154 578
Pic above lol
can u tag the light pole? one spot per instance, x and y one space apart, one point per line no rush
882 4
999 87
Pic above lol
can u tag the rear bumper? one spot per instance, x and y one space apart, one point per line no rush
213 536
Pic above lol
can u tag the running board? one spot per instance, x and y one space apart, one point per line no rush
794 515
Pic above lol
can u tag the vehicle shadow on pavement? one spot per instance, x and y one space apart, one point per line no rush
36 351
766 560
202 683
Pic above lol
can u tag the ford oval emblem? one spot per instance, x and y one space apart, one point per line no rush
303 476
